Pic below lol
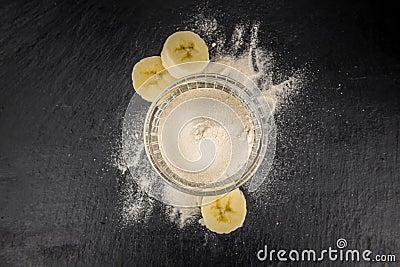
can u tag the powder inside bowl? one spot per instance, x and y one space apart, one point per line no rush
209 130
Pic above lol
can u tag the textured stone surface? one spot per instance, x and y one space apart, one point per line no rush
65 83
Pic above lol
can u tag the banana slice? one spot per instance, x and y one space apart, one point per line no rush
149 77
226 214
184 47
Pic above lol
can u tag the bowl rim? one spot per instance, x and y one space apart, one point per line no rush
249 168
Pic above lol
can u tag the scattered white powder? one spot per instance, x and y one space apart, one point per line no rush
208 28
117 161
182 216
242 52
254 35
281 93
136 206
237 39
258 65
242 63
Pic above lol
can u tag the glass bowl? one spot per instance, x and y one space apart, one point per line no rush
230 81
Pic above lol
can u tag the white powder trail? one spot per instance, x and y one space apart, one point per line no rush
136 205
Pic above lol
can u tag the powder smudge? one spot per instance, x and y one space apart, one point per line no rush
182 216
136 207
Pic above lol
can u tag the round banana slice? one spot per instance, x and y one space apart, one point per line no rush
224 214
149 77
183 47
